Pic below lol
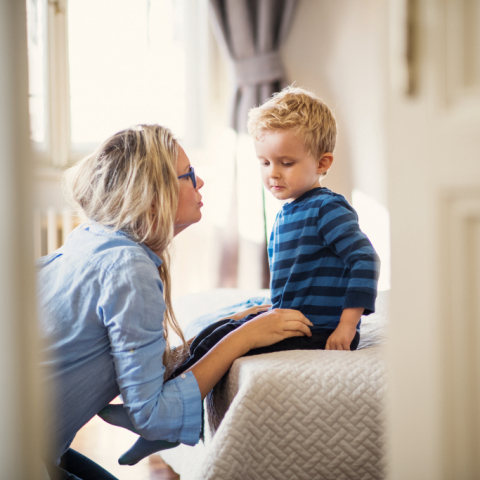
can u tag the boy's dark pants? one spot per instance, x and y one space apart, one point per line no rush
75 466
212 334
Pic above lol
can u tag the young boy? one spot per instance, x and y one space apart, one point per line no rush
320 261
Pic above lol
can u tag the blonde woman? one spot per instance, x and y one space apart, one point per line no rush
105 306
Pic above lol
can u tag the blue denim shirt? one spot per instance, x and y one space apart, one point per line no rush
101 311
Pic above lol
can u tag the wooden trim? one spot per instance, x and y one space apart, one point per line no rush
59 98
460 266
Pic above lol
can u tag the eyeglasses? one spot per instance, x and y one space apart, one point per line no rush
191 174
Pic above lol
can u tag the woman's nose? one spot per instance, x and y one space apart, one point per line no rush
200 183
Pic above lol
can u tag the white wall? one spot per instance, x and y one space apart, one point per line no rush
335 48
47 189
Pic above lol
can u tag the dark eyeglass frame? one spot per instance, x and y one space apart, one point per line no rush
191 174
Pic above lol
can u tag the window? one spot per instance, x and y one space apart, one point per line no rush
127 66
37 42
109 64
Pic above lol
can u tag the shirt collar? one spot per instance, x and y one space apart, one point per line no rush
309 193
153 256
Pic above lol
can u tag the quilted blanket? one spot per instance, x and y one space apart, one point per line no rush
295 415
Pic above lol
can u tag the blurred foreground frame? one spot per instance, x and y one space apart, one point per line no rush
23 435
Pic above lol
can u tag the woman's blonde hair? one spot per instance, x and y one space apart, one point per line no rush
130 184
300 110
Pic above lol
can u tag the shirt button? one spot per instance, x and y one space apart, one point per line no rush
183 375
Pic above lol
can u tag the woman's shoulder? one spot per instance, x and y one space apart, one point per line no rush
103 249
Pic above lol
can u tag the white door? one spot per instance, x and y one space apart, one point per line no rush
434 193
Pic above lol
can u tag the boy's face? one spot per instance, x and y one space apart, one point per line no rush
288 169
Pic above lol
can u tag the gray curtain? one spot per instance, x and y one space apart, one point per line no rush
252 32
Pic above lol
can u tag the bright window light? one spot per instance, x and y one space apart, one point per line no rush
36 36
375 223
127 66
251 221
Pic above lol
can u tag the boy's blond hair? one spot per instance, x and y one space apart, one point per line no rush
130 184
300 110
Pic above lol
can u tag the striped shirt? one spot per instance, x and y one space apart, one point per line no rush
320 260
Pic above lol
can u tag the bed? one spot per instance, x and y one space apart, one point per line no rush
291 415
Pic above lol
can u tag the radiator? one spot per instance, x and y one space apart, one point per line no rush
51 228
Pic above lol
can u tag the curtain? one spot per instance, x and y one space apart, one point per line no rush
251 32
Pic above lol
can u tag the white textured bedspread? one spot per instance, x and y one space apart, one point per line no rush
294 415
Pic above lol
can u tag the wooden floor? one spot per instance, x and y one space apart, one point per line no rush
104 443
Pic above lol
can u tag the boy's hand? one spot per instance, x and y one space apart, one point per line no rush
342 336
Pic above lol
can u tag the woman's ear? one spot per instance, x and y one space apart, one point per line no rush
324 163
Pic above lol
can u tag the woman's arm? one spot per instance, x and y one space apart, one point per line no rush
266 329
239 316
132 309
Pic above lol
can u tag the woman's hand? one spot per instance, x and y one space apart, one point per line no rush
266 329
273 326
248 311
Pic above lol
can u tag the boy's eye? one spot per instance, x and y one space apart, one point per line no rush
287 164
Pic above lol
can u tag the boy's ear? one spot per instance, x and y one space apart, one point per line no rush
325 162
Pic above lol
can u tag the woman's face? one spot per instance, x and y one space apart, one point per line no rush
189 198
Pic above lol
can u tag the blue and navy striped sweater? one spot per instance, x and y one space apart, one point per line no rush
320 260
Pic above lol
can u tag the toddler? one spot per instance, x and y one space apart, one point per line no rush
320 261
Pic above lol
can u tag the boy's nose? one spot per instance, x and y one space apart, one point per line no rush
273 173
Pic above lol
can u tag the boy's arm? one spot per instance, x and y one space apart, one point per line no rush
342 336
338 225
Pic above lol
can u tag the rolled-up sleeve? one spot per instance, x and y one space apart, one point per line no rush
132 309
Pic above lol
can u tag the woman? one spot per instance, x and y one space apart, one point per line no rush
105 303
